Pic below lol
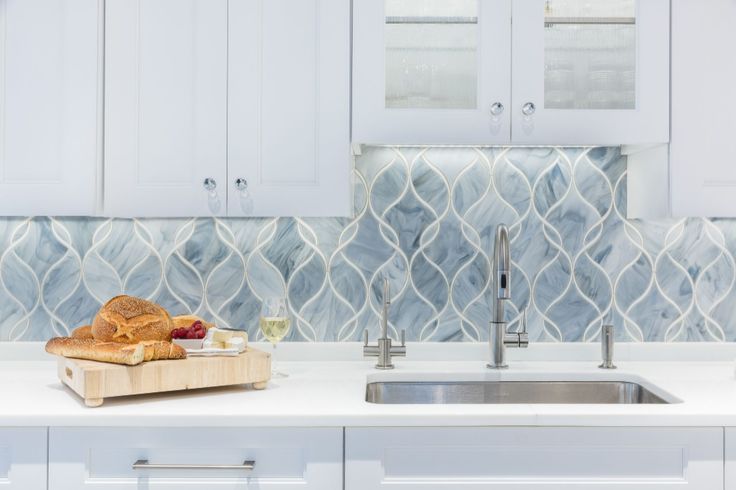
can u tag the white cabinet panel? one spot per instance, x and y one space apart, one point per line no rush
289 107
102 458
534 458
23 458
730 463
50 106
703 148
596 72
430 72
165 113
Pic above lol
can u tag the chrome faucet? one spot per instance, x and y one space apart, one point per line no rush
500 338
383 350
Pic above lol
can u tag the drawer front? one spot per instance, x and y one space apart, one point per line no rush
23 458
534 458
103 458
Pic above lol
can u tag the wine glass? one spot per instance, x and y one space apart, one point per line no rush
275 323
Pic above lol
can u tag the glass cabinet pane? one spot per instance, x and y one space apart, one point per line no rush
590 54
431 54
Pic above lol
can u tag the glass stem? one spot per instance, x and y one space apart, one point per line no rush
273 359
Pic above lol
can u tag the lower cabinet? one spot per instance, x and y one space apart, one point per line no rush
730 453
534 458
23 458
175 458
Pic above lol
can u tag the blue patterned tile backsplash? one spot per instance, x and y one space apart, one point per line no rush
424 218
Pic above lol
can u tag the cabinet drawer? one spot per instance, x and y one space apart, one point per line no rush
23 458
97 458
534 458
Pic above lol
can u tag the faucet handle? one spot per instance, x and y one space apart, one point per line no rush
523 322
523 334
403 337
365 337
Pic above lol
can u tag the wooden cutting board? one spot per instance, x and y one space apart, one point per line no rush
94 381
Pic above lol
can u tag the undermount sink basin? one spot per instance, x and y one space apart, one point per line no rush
493 392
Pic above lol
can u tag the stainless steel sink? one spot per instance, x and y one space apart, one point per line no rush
490 392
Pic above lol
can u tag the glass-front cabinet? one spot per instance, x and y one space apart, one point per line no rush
590 71
511 71
426 69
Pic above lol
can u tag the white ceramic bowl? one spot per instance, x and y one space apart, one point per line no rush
189 343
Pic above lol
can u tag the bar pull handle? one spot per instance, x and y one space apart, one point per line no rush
143 464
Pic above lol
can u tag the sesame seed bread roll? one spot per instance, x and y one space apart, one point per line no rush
130 320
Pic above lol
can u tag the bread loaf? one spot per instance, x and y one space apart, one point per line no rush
131 320
186 321
156 350
84 332
95 350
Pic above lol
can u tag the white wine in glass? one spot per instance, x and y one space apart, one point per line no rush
275 324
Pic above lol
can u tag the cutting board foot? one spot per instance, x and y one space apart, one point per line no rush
260 385
93 402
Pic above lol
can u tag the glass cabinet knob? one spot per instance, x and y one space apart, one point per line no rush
209 184
241 184
497 109
528 109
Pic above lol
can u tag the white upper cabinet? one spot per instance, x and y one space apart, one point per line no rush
431 71
592 72
703 148
166 107
584 72
289 108
50 87
199 124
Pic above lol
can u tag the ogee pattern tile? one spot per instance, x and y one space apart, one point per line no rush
424 218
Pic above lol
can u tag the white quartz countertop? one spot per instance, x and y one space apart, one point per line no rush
332 393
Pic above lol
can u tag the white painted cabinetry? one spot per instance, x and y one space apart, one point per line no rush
50 106
534 458
591 80
443 72
289 108
283 459
730 462
165 107
23 458
431 75
237 108
703 148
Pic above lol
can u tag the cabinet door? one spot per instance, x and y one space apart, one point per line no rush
50 86
431 71
535 458
23 458
730 466
165 113
289 108
592 72
703 148
282 459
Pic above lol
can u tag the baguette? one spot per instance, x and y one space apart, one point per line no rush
84 332
156 350
95 350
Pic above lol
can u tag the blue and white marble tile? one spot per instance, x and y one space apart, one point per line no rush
425 219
